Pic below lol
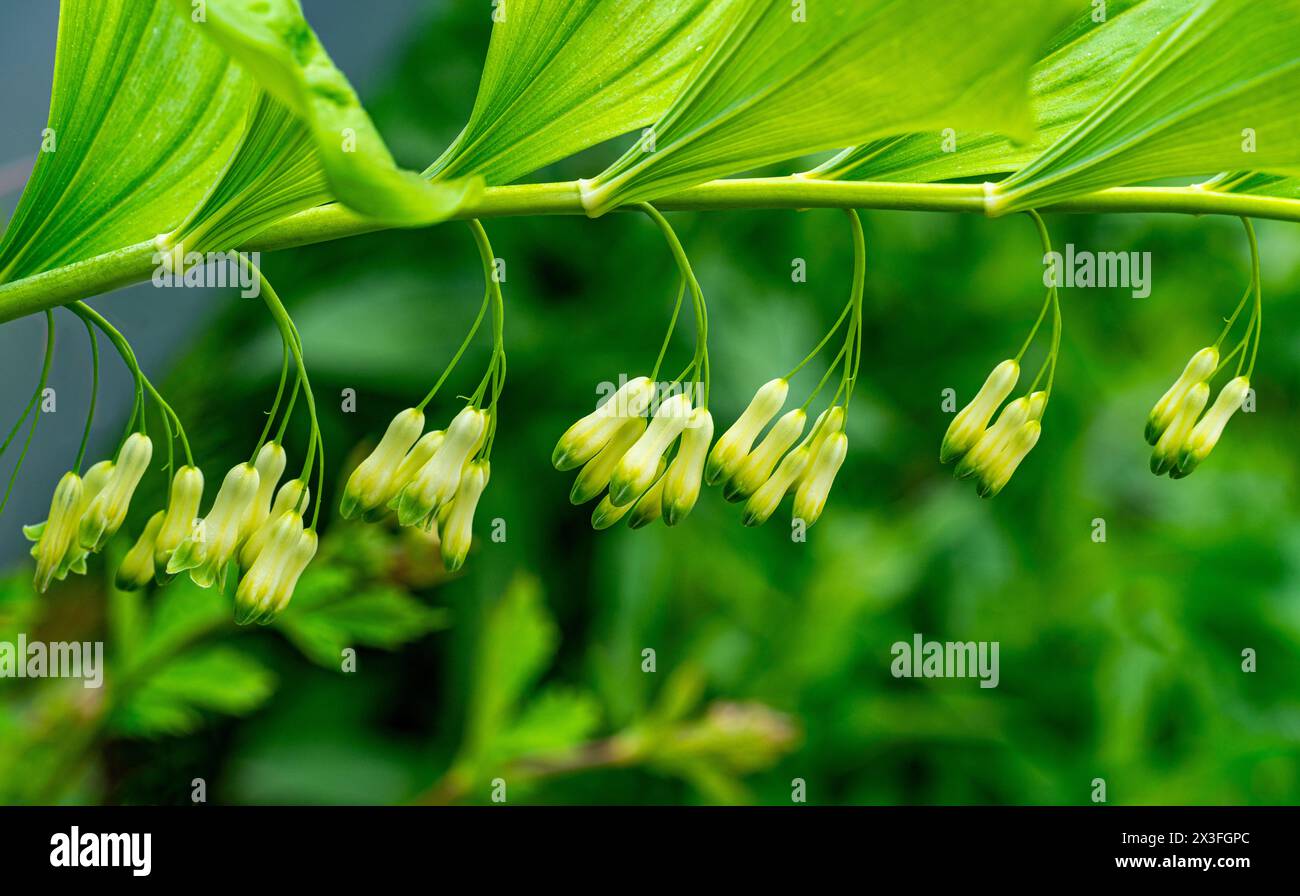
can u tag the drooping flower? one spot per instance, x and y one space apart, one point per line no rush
214 540
60 529
182 510
1198 370
257 594
997 472
969 423
436 482
420 454
584 439
594 477
105 514
635 471
370 485
1170 443
810 496
998 437
1205 435
681 484
764 502
736 442
650 506
757 466
292 496
457 533
137 569
270 464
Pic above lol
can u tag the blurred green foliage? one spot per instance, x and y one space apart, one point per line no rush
1120 659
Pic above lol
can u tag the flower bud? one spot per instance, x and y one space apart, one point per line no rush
593 478
998 436
649 507
764 502
681 484
182 510
292 497
256 595
106 513
810 497
420 454
293 570
458 532
60 529
213 541
137 566
997 472
269 464
757 466
585 439
436 482
969 423
635 471
370 485
735 443
1198 369
1171 441
1205 435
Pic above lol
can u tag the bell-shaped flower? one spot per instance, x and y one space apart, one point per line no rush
997 437
270 464
969 423
650 506
437 481
1199 369
182 510
137 566
106 513
257 593
636 470
1171 441
594 477
810 496
292 497
764 502
736 442
370 485
758 465
681 484
1205 435
995 474
584 440
458 532
420 454
214 540
60 529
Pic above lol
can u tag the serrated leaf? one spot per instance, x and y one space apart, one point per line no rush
1218 91
775 87
564 75
174 699
556 720
1075 73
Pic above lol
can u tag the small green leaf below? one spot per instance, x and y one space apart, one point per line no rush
174 699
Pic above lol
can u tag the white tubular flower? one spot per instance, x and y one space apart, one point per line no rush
458 532
810 497
292 496
584 440
997 437
997 473
293 570
635 471
215 539
137 566
764 502
649 507
60 529
257 592
182 510
594 476
736 441
1171 441
420 454
370 485
270 464
436 482
969 423
757 466
681 484
1198 370
1205 435
106 513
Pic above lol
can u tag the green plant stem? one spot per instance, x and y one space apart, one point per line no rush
31 406
94 394
135 264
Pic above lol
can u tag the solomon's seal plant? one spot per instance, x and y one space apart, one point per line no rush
261 144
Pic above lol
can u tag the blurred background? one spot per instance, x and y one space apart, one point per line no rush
526 676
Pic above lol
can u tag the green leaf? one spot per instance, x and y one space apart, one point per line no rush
775 87
1217 92
1256 184
331 612
564 75
556 720
272 39
173 700
1079 67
